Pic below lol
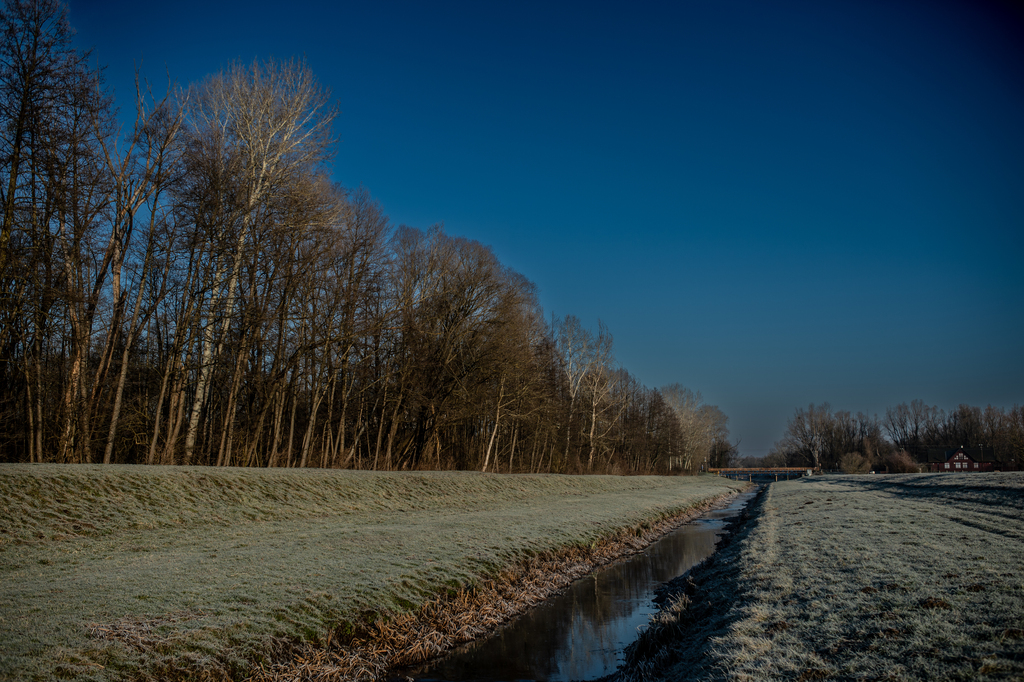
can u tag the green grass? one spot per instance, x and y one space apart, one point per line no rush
211 569
917 577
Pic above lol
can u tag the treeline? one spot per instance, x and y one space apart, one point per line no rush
834 440
197 291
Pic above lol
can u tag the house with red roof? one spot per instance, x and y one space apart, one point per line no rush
963 460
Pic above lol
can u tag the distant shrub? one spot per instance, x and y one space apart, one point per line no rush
854 463
901 463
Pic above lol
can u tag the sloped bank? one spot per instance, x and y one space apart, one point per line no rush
462 615
163 572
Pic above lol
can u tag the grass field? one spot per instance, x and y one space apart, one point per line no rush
122 572
916 577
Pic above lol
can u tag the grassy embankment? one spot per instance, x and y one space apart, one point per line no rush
117 572
855 577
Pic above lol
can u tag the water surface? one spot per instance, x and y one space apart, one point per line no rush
580 634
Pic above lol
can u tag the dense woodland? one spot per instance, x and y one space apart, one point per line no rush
900 441
193 289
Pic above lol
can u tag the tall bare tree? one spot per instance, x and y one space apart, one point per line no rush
140 177
254 131
807 435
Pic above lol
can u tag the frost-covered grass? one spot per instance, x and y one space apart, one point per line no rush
211 569
859 577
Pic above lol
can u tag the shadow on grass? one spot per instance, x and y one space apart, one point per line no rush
967 487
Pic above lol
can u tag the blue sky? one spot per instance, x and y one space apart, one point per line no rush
774 203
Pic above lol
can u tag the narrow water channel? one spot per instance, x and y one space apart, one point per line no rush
581 633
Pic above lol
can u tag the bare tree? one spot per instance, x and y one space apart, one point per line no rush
140 177
255 130
807 434
701 426
574 345
600 384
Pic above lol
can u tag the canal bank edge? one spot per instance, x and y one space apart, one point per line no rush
687 606
372 649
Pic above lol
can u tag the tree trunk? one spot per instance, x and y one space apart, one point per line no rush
307 439
178 410
115 413
494 431
593 429
151 457
205 362
224 454
291 425
512 452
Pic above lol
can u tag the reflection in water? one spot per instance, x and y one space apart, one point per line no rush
580 634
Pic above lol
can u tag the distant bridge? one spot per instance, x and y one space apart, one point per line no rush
764 473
